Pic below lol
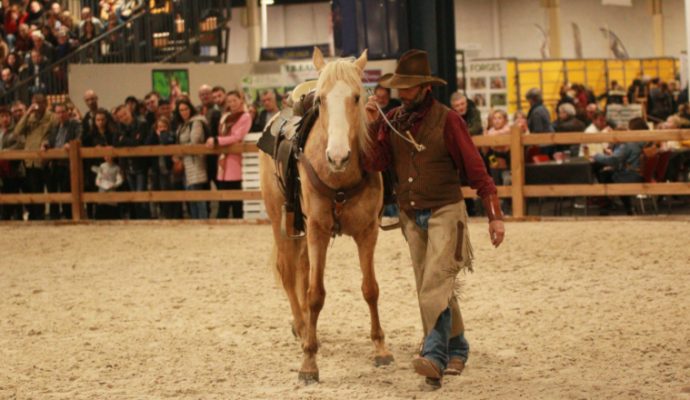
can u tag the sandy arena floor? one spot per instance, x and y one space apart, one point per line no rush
564 310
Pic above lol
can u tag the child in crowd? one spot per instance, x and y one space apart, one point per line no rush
108 179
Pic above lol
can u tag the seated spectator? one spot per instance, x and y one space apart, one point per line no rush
499 156
468 111
615 94
45 48
384 100
623 165
36 67
7 84
35 13
23 43
191 131
13 62
599 125
234 126
58 181
567 122
11 25
87 18
109 178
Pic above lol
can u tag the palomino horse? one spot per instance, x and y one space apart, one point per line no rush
338 197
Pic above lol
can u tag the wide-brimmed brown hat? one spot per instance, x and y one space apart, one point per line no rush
413 70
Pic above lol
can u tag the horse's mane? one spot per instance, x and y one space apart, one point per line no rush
345 70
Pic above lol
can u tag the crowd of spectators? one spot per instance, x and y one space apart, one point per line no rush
36 33
662 106
219 118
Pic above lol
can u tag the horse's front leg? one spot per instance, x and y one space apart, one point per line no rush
317 242
366 241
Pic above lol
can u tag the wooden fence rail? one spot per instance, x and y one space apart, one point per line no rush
518 191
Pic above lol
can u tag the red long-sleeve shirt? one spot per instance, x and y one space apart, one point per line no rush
458 142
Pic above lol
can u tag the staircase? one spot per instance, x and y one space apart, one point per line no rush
177 31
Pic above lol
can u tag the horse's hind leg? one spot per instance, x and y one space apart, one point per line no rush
288 268
366 241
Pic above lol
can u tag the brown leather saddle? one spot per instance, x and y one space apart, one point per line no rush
282 139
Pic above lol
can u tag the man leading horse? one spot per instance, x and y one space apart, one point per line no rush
430 150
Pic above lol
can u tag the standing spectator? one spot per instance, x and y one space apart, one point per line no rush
11 171
218 93
191 131
538 118
35 12
108 179
270 105
102 133
234 127
23 43
7 85
660 104
17 109
161 167
64 131
34 128
384 100
130 134
13 62
212 113
12 25
91 101
468 111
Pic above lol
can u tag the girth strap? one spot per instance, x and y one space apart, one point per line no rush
338 196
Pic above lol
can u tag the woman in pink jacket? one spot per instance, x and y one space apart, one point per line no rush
234 126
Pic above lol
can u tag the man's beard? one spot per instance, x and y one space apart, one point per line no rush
419 99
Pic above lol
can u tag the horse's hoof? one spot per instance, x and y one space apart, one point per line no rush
380 361
309 378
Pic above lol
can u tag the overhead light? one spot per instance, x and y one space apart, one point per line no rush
268 2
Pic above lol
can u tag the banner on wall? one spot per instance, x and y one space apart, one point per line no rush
486 83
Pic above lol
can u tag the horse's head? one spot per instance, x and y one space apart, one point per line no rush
341 99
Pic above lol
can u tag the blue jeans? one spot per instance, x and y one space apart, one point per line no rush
438 347
197 209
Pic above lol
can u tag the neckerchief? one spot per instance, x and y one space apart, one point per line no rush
403 119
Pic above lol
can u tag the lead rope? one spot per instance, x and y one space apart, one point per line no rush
407 136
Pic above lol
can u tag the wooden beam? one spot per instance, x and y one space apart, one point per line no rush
503 191
171 196
53 154
614 189
612 137
174 150
517 167
35 198
76 180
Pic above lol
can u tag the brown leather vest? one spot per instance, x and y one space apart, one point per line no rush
426 179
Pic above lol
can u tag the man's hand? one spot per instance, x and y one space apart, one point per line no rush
210 143
497 232
371 109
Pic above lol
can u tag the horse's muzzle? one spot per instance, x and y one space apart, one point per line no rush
338 164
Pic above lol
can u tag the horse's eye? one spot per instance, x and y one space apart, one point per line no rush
356 99
317 102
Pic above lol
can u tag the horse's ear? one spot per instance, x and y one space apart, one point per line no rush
317 59
361 62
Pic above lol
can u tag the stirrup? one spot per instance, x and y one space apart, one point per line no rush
287 224
389 223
